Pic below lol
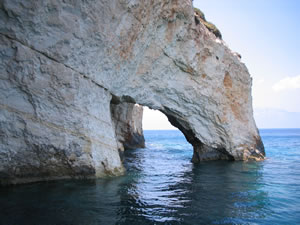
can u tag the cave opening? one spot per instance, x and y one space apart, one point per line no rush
163 137
131 120
134 123
156 120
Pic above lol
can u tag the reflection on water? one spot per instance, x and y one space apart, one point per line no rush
214 192
163 186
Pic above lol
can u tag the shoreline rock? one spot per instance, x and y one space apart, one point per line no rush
63 64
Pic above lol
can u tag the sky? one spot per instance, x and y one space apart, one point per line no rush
267 35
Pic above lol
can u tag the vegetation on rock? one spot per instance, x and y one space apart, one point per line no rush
199 13
200 17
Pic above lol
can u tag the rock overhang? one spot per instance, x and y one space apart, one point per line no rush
77 57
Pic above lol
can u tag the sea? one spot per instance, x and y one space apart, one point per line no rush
162 186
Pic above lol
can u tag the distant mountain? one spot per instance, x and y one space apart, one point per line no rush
276 118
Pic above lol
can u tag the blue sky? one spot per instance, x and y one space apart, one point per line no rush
267 35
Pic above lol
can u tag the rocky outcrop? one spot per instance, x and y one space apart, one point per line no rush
55 123
62 62
127 119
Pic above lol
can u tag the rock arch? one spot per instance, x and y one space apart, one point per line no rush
63 62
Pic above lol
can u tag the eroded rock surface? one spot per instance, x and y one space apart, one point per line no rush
63 61
127 119
54 122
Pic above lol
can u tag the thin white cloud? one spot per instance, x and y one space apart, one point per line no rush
287 84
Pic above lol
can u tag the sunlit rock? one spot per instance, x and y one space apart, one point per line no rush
62 62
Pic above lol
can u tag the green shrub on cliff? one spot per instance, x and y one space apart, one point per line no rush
199 13
210 26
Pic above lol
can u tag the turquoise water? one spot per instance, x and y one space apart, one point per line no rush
162 186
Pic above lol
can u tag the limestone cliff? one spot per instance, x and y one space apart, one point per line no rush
62 63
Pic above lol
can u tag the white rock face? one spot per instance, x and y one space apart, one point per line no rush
62 61
54 122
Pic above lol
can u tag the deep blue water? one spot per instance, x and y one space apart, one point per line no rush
162 186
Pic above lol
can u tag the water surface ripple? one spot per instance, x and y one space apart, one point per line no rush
162 186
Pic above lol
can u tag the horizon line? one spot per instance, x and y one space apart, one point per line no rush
264 128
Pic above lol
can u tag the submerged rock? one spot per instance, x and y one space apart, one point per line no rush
62 63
